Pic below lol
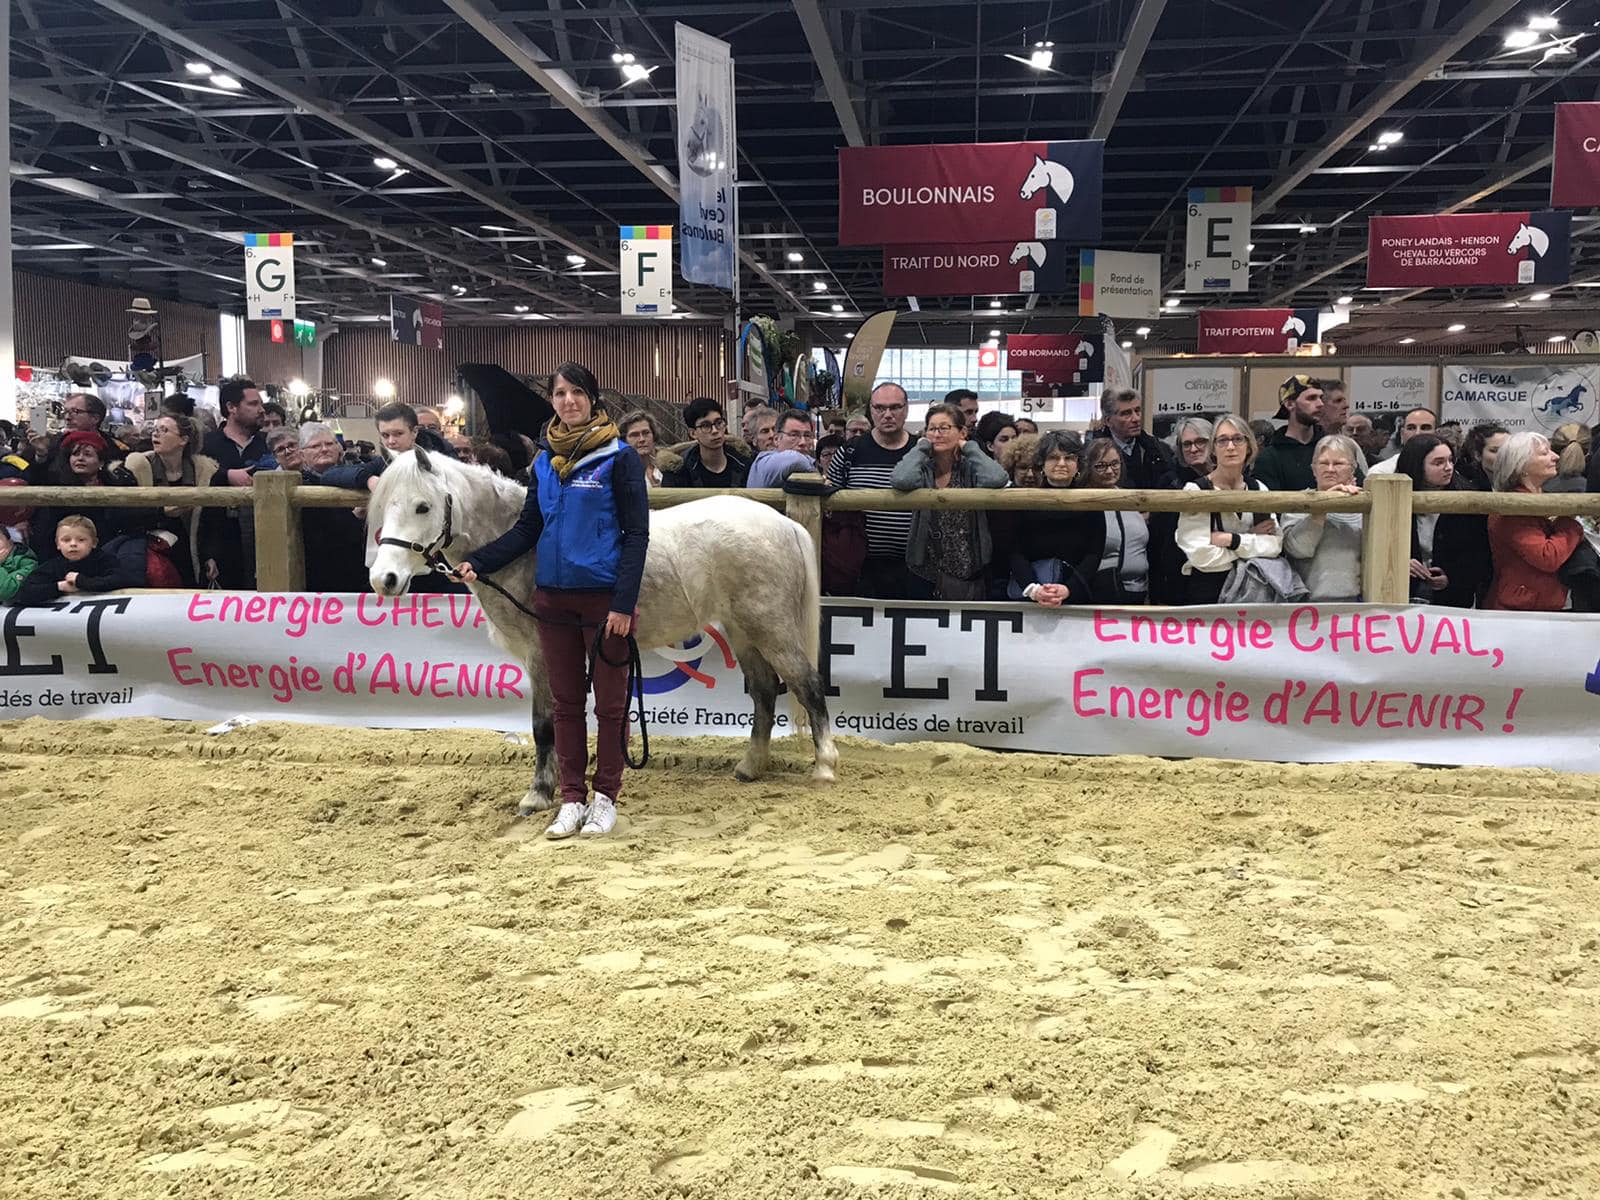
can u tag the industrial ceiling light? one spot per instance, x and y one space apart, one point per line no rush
226 82
1556 339
1127 345
994 333
383 389
521 308
818 285
385 163
577 260
1545 23
1389 137
1521 39
795 256
1407 341
632 70
1345 300
995 304
838 308
1172 302
1458 327
1143 331
1538 296
297 387
379 262
1042 56
197 68
1308 228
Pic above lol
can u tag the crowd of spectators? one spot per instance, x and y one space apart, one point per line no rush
1049 556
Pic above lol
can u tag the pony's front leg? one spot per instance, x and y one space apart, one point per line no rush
542 792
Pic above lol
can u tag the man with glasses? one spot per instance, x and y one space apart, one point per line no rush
87 413
708 463
794 450
869 462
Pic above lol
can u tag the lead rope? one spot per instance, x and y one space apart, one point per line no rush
634 683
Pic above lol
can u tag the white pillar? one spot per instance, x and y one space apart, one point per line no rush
8 334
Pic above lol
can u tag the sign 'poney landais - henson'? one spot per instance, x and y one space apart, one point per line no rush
970 194
1464 249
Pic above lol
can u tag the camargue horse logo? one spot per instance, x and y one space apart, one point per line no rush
1030 250
1557 405
1048 174
1530 237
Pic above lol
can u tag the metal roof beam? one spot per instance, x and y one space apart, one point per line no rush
1140 29
827 60
141 138
489 22
169 25
1438 50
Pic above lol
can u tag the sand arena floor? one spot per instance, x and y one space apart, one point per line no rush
325 963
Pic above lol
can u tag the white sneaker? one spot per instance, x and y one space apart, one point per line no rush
602 817
568 818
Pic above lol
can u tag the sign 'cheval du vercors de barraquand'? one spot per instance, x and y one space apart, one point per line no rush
1295 683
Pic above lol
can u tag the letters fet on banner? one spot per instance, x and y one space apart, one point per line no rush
416 323
1575 177
1118 284
995 269
1217 248
1057 357
1255 330
1463 249
269 275
708 212
970 194
646 281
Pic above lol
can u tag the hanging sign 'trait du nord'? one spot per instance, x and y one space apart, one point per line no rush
970 194
1463 249
1003 268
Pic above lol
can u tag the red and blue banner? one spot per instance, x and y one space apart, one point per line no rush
1255 330
996 269
1469 249
1575 173
970 194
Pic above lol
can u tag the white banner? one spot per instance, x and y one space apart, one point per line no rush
1116 283
1217 245
708 214
1192 391
1391 389
646 281
269 276
1539 397
1306 683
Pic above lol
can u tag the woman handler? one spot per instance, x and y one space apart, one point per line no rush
588 514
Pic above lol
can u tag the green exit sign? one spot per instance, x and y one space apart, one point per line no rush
305 333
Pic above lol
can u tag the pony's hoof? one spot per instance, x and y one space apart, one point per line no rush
745 775
537 804
822 775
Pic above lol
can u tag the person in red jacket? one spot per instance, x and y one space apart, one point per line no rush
1528 551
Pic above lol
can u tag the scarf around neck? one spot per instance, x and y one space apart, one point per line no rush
569 446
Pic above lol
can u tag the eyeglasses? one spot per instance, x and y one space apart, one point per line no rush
941 429
1107 467
1194 444
77 412
1230 440
711 426
798 433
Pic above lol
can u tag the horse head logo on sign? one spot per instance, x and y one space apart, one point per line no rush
1530 237
1033 251
1053 175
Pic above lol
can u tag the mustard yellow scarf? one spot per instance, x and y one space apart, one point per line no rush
569 446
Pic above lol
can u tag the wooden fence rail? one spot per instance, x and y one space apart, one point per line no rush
1387 506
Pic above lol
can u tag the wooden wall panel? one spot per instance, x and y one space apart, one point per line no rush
268 362
667 362
57 317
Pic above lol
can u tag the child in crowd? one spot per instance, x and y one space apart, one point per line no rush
79 566
16 564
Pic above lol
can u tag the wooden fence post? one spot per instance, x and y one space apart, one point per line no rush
280 551
807 511
1386 541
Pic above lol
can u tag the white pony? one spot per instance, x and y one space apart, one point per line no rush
1051 174
1031 250
723 559
1530 235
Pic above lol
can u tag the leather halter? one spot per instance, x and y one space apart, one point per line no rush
433 552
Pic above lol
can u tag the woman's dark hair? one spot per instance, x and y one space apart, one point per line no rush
179 403
1477 437
1098 448
1057 441
1414 454
583 378
831 442
989 427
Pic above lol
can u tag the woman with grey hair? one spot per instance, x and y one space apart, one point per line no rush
1529 552
1192 439
1326 547
1213 542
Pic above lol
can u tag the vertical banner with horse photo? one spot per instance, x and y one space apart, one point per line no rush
708 207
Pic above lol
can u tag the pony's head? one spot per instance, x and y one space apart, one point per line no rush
410 515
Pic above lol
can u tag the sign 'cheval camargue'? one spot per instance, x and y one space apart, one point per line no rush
1217 242
646 270
1399 388
970 194
1118 284
1255 330
1463 249
1285 683
1046 268
1057 357
416 322
1575 174
708 207
1541 398
269 276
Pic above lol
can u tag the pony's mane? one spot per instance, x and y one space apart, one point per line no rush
447 475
